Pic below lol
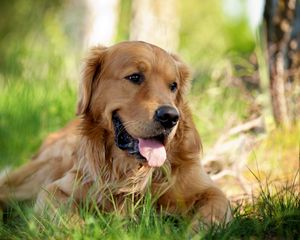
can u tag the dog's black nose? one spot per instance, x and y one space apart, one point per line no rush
167 116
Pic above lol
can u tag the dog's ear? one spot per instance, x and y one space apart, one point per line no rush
184 75
91 70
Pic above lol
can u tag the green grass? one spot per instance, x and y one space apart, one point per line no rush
28 112
274 214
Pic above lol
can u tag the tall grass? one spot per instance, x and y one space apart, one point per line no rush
273 214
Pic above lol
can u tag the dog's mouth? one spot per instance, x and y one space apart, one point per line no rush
151 149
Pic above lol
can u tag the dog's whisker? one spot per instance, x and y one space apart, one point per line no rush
126 125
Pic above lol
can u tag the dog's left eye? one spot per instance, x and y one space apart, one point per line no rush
173 86
136 78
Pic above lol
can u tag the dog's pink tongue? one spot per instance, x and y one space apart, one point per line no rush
153 151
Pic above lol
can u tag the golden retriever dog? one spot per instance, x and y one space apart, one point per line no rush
134 132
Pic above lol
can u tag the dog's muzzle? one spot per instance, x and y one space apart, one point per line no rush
150 149
123 140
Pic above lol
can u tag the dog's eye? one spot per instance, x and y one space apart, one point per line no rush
136 78
173 86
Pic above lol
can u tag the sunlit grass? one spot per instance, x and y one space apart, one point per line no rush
277 155
273 214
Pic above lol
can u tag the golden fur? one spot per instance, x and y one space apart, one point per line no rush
82 159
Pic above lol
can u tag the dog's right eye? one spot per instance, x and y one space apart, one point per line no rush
136 78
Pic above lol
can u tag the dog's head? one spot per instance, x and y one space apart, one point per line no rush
135 90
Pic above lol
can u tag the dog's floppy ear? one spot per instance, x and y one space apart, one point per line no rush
91 70
184 75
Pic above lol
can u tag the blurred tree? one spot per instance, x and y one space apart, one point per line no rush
283 37
155 21
101 22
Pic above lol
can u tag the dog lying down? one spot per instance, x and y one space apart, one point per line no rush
134 132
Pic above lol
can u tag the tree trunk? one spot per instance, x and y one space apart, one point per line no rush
101 22
280 21
155 21
293 88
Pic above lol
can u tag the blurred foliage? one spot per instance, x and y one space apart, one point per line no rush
37 73
208 34
41 50
214 43
26 31
41 46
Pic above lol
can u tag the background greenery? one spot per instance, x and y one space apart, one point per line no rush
40 59
39 71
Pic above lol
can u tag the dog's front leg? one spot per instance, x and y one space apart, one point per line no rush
64 192
194 193
211 206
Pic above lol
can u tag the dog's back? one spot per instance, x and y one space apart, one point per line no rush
54 158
